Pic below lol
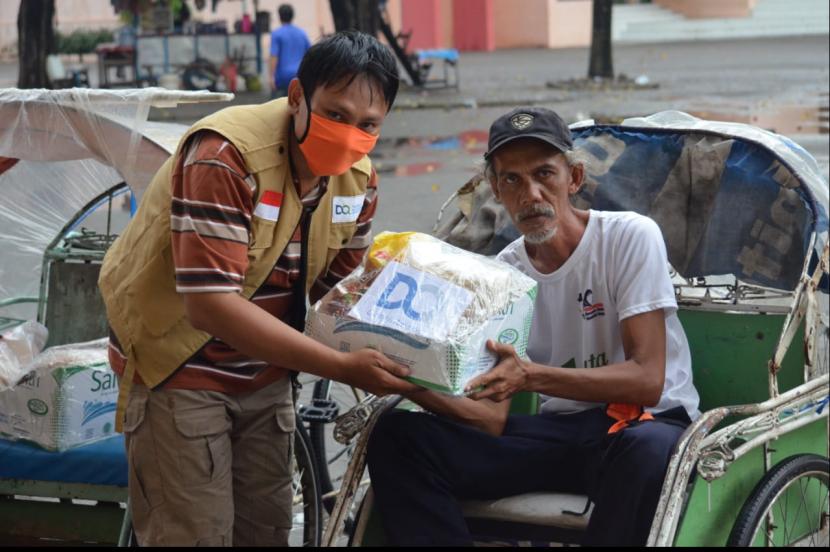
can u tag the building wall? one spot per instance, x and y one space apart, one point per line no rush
570 23
489 24
314 16
701 9
425 20
447 40
522 24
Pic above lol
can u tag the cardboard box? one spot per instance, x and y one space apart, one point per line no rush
68 400
429 306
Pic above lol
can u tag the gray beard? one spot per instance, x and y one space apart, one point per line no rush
535 238
541 236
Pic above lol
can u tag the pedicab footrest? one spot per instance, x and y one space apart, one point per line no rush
545 509
320 410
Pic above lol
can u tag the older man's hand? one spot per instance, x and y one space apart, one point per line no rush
504 380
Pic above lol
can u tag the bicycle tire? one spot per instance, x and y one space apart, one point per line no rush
323 390
317 432
771 487
305 466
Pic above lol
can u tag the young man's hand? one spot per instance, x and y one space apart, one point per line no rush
374 372
505 379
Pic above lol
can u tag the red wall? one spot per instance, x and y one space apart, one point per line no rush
473 25
423 18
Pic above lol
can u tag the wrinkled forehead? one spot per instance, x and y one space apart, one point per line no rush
526 154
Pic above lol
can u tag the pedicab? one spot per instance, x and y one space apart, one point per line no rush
73 166
744 214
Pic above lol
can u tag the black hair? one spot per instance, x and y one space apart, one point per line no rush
286 13
344 56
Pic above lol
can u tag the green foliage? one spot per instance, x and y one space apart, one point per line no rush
82 41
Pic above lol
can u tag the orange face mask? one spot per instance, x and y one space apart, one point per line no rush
330 148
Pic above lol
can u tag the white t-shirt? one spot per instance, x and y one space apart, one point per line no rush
618 269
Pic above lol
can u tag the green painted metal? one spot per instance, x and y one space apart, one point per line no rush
63 519
56 489
524 403
730 352
702 526
7 322
61 522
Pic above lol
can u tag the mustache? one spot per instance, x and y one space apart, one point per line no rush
534 211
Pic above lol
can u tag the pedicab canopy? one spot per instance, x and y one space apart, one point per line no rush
59 150
730 198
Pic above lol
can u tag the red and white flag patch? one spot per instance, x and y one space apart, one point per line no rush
268 207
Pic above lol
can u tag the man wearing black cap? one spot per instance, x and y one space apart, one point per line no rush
606 353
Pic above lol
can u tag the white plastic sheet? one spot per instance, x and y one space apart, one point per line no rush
59 149
18 348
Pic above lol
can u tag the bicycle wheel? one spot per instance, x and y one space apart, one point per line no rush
330 399
307 512
788 507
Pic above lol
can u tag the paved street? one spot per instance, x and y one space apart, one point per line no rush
428 153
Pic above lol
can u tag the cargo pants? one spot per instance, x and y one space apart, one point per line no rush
210 469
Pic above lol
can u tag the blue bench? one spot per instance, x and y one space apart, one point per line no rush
74 496
449 59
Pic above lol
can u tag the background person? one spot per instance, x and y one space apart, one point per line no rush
288 46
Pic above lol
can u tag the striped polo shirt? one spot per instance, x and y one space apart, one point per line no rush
210 219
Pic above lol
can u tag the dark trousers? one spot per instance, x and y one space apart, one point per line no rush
421 465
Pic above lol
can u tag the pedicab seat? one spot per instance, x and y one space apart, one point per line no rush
540 510
543 508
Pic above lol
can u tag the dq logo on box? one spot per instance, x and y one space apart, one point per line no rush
411 301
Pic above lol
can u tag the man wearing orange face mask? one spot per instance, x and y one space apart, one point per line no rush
261 208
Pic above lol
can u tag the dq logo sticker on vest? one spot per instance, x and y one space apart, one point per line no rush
268 207
413 302
346 208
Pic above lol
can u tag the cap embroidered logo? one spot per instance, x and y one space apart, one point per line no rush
521 121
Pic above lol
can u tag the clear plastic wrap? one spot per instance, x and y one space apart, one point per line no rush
427 305
59 150
67 399
18 348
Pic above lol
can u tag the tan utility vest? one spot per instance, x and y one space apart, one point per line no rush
137 279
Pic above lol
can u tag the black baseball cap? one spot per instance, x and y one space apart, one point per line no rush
529 122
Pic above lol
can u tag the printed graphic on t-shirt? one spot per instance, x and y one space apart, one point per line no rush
593 361
590 310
